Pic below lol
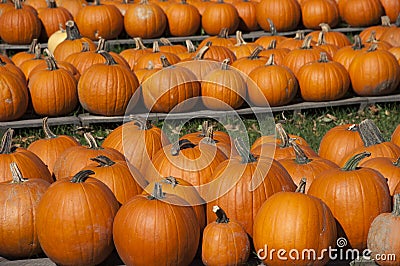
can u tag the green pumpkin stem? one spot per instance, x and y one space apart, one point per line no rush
284 137
103 161
6 142
301 157
17 177
170 180
353 162
91 141
370 133
180 145
222 218
157 192
46 129
396 205
225 64
244 152
357 43
302 186
81 176
109 59
272 27
139 44
72 31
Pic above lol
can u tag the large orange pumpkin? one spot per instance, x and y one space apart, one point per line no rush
359 13
220 15
76 215
51 17
286 14
353 194
164 225
183 19
346 54
18 207
294 221
99 21
315 12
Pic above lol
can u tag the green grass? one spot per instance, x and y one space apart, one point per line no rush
310 124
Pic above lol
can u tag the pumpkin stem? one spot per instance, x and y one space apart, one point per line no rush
255 54
165 42
51 63
18 4
139 44
271 45
306 43
200 54
2 62
91 141
321 38
325 27
144 2
96 2
209 138
6 142
38 51
373 47
225 63
81 176
302 186
109 59
323 58
385 21
31 49
101 45
47 132
372 37
300 35
103 161
221 215
164 61
190 46
272 27
239 39
72 31
156 47
271 60
397 22
397 162
17 177
301 157
357 43
51 4
353 127
244 152
282 135
223 33
85 47
353 162
180 145
157 192
142 123
170 180
370 133
396 205
204 128
48 53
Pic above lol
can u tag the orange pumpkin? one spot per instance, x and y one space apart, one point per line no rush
51 17
345 55
315 12
183 19
361 13
286 14
219 15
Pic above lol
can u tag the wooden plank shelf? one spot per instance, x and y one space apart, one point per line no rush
247 36
88 119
